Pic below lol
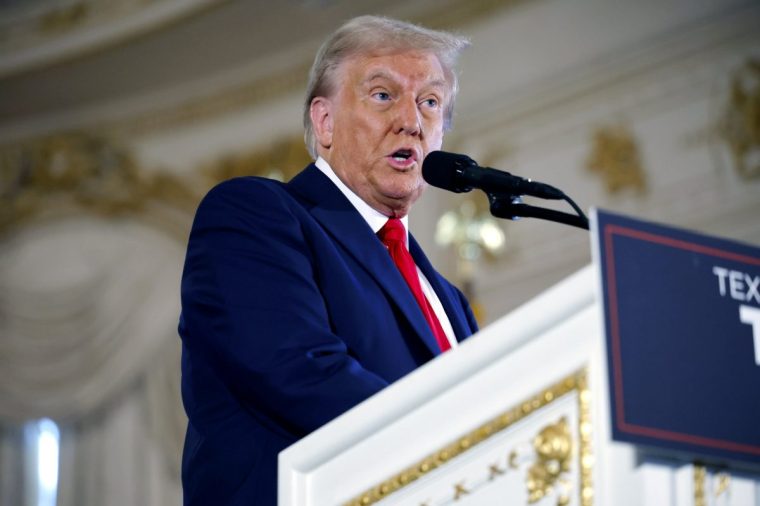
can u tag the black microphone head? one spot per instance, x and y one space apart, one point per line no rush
444 170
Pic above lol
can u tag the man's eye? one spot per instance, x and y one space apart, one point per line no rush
381 95
430 102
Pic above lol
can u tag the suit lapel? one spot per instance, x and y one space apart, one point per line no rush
344 223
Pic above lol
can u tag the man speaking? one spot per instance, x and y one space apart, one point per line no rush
301 300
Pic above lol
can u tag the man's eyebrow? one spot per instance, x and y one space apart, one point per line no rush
438 82
381 74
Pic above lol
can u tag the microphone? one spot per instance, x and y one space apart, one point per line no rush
460 173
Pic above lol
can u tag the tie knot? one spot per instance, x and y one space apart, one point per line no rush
392 231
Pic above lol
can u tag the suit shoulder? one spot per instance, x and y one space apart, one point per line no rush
245 185
246 193
245 201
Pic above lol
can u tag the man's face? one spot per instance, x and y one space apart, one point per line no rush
385 116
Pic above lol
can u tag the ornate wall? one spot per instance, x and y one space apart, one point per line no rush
114 121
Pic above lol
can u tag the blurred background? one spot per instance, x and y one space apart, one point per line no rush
117 116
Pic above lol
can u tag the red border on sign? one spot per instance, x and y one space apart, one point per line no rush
609 231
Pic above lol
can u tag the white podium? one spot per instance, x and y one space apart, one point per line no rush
517 415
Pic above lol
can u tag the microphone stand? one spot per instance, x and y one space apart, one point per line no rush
511 207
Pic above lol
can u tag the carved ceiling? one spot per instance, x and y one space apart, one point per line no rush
182 53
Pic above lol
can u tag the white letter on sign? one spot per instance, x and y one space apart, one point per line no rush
751 316
721 273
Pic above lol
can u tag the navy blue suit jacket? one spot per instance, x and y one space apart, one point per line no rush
292 313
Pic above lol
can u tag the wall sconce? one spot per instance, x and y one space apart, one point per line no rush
472 233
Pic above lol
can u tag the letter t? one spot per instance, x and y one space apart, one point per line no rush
721 272
751 316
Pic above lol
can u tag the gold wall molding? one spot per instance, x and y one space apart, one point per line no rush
77 170
640 82
282 159
615 156
86 172
739 127
551 446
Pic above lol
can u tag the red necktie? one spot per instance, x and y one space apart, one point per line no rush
393 236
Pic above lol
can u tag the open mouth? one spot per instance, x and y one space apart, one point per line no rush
402 155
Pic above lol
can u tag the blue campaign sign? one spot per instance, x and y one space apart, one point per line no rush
682 322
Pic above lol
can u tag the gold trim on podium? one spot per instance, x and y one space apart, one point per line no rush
577 381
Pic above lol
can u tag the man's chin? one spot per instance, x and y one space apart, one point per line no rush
401 202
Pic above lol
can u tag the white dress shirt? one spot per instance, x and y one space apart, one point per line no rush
376 220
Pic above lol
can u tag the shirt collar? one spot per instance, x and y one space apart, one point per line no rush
374 218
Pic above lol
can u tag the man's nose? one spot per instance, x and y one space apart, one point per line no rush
408 119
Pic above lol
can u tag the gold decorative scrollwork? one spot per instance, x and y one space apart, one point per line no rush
550 444
740 126
96 174
615 156
79 170
723 485
699 485
460 490
553 448
494 471
281 160
720 481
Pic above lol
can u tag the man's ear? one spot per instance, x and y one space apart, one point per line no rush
321 112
